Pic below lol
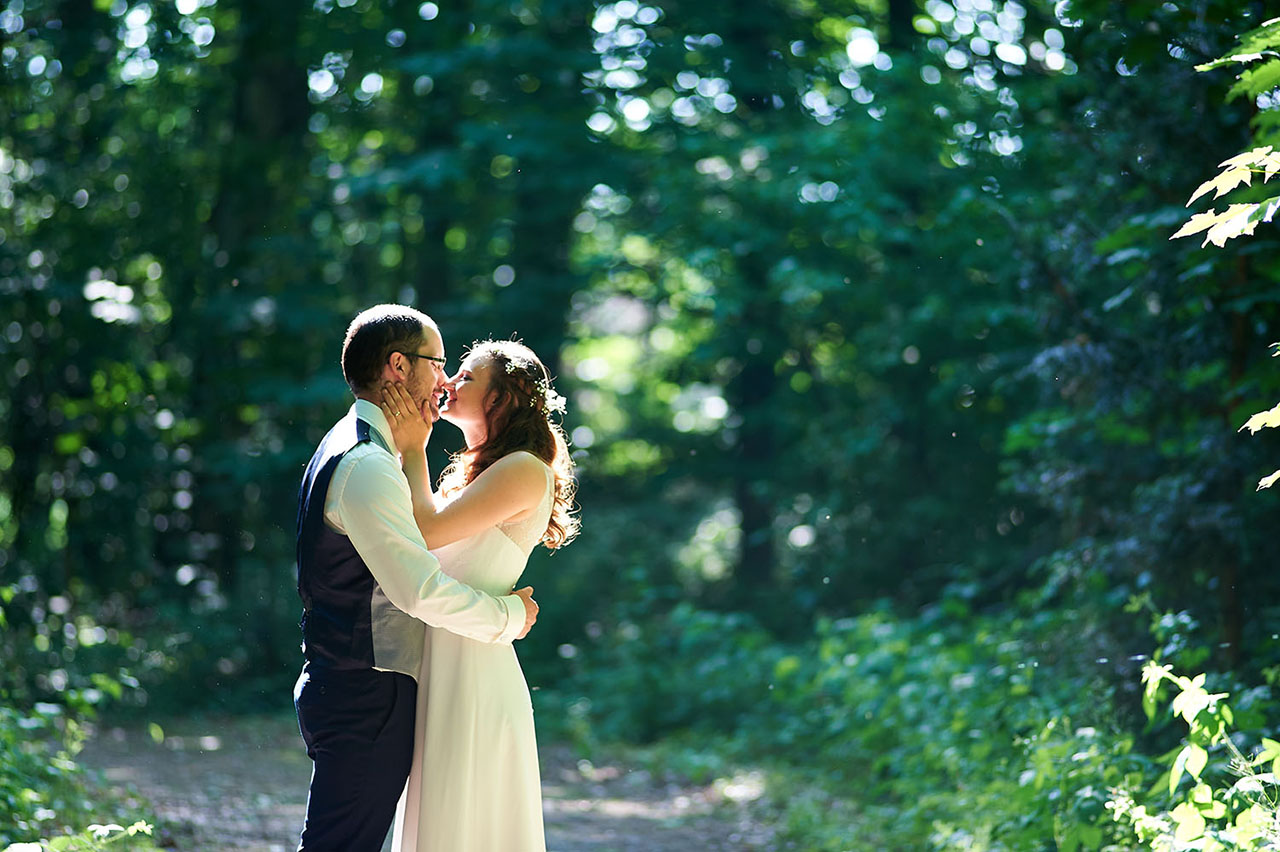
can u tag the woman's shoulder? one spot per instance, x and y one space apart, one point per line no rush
524 459
519 466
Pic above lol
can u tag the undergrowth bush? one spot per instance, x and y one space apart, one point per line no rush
45 794
97 837
47 800
1212 796
948 730
40 782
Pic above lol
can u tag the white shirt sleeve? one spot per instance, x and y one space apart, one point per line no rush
370 503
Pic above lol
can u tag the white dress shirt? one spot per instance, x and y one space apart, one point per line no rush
370 503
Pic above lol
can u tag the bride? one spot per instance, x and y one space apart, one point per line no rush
474 785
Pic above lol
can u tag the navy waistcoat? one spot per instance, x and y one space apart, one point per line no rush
347 621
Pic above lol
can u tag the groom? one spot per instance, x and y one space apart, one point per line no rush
368 584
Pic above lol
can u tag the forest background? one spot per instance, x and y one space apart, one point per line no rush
906 436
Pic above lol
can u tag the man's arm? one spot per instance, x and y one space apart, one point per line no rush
373 508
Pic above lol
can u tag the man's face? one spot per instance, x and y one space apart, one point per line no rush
426 377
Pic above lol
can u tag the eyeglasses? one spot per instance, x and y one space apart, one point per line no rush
438 360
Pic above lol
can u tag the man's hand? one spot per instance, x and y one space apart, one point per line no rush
530 609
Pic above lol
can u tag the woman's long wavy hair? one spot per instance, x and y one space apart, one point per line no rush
520 419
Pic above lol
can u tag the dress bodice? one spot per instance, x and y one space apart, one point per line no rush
493 559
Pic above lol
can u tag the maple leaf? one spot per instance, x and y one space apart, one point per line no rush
1262 420
1252 47
1238 220
1262 39
1255 81
1225 182
1215 220
1248 158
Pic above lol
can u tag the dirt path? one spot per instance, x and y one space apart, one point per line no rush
241 784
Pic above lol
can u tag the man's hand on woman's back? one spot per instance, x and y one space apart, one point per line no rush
530 609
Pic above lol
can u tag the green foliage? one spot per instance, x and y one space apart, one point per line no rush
1228 803
1237 219
952 726
39 780
43 790
135 838
867 316
1258 48
794 290
1259 83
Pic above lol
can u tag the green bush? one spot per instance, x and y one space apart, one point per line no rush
40 783
44 792
949 729
689 669
135 838
1212 796
955 731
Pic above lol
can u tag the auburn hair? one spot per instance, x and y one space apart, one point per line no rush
519 418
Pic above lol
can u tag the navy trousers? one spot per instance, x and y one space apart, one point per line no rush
358 727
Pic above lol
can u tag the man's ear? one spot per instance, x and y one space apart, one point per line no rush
397 367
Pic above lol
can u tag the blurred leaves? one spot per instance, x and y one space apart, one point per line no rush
863 313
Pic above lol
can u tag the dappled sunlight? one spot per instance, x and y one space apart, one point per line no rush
615 806
216 784
250 791
904 427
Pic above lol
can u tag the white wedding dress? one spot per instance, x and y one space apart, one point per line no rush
474 785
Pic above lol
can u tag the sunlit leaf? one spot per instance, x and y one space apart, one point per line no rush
1253 45
1248 158
1178 769
1268 419
1233 59
1270 165
1239 221
1226 181
1189 821
1198 223
1267 210
1214 810
1189 703
1251 823
1253 783
1197 759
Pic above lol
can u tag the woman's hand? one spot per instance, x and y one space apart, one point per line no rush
409 428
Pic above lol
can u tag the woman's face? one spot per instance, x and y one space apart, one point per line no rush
467 393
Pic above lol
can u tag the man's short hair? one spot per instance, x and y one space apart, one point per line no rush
371 338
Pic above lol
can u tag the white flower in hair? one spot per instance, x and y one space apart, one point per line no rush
545 399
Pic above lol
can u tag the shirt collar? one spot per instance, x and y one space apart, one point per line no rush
372 414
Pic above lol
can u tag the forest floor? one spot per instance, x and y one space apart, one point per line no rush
241 784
